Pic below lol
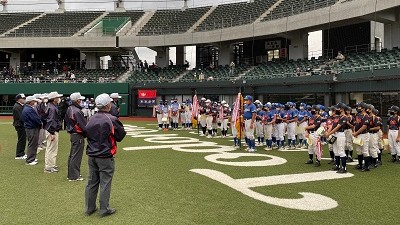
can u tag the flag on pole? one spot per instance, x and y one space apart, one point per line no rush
235 112
221 113
195 106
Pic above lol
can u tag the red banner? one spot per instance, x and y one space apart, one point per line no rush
147 94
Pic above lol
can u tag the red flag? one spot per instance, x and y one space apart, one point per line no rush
221 113
195 107
146 94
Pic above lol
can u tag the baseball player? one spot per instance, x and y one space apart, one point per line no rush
209 118
202 117
182 112
224 122
165 115
302 118
274 130
314 122
188 114
249 116
380 136
280 126
259 123
349 134
374 127
174 113
268 120
337 130
214 124
159 114
328 126
361 130
393 124
291 121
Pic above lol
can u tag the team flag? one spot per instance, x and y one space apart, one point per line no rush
235 113
195 106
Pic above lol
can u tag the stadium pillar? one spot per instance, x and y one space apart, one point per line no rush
4 4
225 54
162 58
92 60
392 35
180 55
299 46
15 60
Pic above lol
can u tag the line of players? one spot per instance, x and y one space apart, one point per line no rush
271 122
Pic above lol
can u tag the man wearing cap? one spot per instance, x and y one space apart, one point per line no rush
52 127
41 109
158 111
114 104
102 131
349 134
32 124
374 127
249 116
302 118
174 113
18 123
75 126
291 121
314 122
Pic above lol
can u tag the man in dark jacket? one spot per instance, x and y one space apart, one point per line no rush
19 126
102 131
52 127
114 104
32 124
75 126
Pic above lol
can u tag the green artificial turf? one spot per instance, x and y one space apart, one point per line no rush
157 187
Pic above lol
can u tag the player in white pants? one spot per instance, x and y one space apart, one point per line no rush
338 131
291 121
393 133
259 124
361 131
349 134
302 118
158 111
249 116
224 123
280 126
374 128
314 122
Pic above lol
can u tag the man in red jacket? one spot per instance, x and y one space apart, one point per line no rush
102 131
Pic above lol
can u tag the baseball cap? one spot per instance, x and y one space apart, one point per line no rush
102 100
115 95
76 96
248 97
31 98
54 94
19 96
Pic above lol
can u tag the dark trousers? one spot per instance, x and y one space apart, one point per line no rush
20 149
75 156
33 138
101 171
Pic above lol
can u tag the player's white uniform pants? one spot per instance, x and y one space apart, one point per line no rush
363 150
380 144
291 131
339 145
274 131
302 131
312 146
394 146
224 124
259 129
165 115
188 117
280 131
175 119
183 117
249 132
202 120
349 139
209 122
268 131
159 118
373 145
234 131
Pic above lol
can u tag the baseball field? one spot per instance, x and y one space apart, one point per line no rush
177 177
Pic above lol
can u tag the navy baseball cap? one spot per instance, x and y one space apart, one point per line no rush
248 97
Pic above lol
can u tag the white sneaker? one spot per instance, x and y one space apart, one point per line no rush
78 179
36 160
252 150
236 146
267 149
32 163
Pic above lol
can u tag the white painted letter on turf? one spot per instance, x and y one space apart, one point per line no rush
272 161
309 201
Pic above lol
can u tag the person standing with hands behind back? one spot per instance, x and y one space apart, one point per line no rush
52 127
18 123
75 126
103 131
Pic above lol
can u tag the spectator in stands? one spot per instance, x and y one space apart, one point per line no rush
212 66
146 66
187 64
231 68
298 71
201 76
140 66
84 80
210 78
171 64
83 64
340 57
72 76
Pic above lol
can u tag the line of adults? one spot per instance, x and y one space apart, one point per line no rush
35 118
